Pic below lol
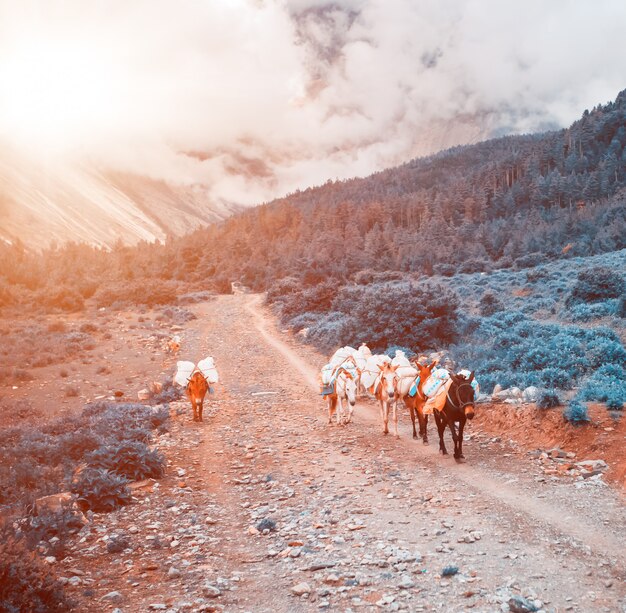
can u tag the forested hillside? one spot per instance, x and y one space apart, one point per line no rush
514 201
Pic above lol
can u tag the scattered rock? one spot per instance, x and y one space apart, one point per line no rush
211 591
117 544
449 571
143 394
518 604
113 597
266 524
173 573
301 588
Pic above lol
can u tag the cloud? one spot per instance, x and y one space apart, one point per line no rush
256 98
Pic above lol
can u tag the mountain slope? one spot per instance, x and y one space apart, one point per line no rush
58 202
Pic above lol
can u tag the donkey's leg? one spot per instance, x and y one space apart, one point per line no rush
423 421
395 419
460 455
195 409
331 408
200 408
441 426
413 411
455 437
384 413
339 410
350 411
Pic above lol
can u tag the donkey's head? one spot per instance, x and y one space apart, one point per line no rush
350 388
197 388
389 379
462 394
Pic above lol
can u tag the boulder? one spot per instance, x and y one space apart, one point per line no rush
496 390
530 394
143 394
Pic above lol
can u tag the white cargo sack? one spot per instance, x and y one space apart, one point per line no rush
184 371
438 400
207 368
407 372
372 370
341 354
364 351
466 373
327 374
438 377
400 359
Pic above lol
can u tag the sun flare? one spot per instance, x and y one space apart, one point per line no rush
55 94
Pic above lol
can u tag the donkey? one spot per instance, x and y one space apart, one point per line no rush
385 391
416 403
197 387
344 390
459 406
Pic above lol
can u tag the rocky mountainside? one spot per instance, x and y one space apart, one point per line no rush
57 202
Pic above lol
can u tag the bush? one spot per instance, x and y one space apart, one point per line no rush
25 584
133 292
316 299
331 331
596 284
547 399
576 412
419 315
101 490
131 459
64 299
490 304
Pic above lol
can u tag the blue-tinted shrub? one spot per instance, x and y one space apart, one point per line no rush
615 401
420 316
555 377
576 412
332 330
588 312
304 320
595 284
490 304
131 459
101 490
547 399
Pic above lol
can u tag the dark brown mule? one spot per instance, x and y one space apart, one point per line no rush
416 403
459 406
196 390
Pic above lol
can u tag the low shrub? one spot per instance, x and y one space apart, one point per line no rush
131 459
595 284
490 304
25 583
547 399
576 412
101 490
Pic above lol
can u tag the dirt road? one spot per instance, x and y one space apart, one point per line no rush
268 508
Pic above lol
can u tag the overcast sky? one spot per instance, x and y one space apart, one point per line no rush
255 98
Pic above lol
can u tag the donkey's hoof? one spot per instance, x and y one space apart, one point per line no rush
425 442
415 437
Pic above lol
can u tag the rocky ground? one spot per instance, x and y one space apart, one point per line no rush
267 508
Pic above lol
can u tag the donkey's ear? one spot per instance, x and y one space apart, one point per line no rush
433 364
471 377
394 368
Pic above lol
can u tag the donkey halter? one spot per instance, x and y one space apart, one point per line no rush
461 404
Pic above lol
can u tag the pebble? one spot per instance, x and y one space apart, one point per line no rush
113 597
211 591
301 588
173 573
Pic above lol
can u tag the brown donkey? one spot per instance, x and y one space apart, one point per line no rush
197 388
416 403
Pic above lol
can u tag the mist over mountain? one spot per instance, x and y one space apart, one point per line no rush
226 104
